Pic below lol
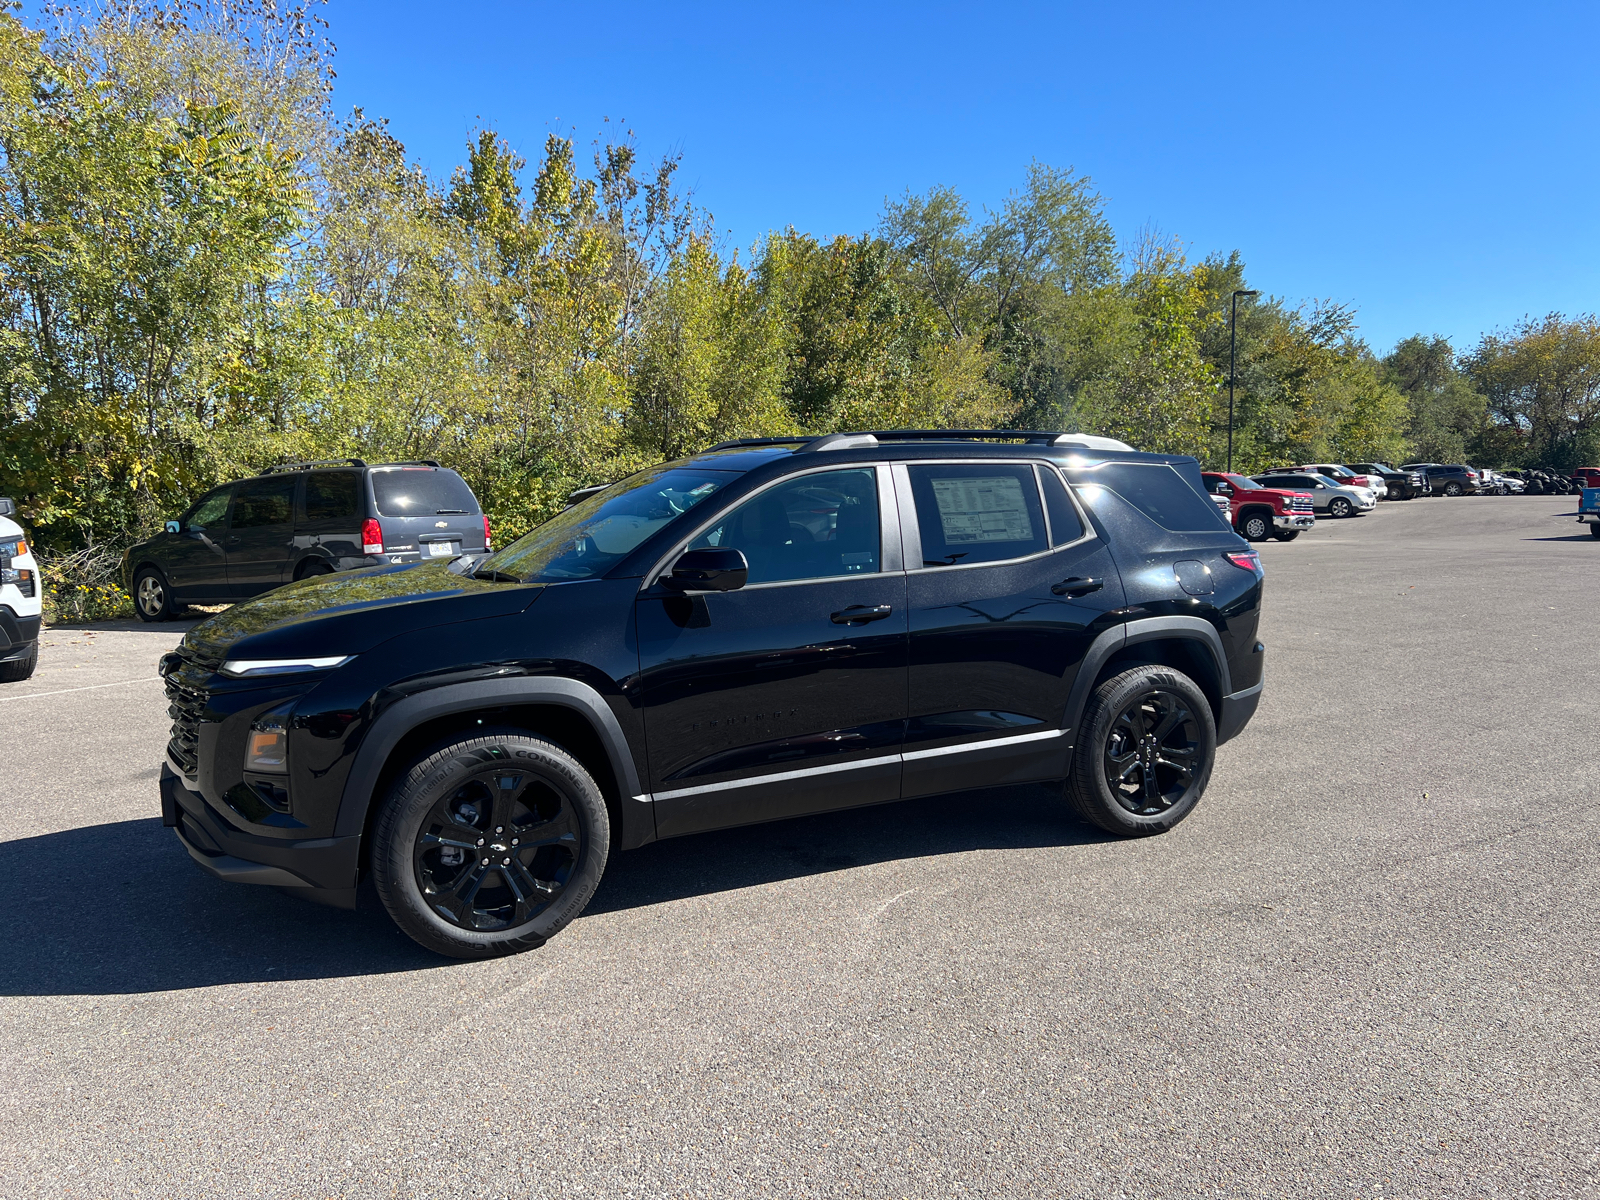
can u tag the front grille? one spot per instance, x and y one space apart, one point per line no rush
186 703
1300 504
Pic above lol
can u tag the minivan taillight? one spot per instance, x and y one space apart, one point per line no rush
488 540
371 536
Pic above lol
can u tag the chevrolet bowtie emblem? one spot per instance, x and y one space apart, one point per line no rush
441 524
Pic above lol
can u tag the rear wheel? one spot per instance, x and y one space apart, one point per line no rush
1339 507
1254 527
1144 752
311 567
1452 489
1595 529
490 845
1286 535
152 597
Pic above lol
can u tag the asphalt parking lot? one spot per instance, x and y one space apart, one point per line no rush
1365 967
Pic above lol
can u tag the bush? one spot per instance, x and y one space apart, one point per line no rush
84 585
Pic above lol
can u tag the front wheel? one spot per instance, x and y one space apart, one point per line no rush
1339 507
490 845
152 596
1144 752
1394 494
1255 527
18 669
1595 529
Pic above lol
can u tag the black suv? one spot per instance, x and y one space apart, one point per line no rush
1399 485
768 629
303 519
1443 480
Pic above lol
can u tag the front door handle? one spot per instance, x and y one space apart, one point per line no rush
1078 585
860 614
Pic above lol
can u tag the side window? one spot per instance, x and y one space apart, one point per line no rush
1065 524
211 511
812 527
262 502
1160 493
332 495
977 512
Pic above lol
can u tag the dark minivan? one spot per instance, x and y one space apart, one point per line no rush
299 520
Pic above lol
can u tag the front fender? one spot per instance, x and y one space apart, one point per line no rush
638 819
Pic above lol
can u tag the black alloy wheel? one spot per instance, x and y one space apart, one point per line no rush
1255 527
1145 752
152 598
1452 488
1339 507
491 845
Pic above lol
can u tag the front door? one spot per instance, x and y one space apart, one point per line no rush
1007 587
789 695
194 559
261 534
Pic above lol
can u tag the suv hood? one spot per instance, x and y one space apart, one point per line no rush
351 612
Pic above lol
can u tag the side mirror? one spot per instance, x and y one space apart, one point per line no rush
174 527
710 569
1224 490
8 506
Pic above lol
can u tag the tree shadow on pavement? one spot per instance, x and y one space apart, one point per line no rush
120 908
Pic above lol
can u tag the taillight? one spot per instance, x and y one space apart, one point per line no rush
1245 560
371 536
488 540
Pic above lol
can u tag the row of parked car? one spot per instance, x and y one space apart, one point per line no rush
1280 502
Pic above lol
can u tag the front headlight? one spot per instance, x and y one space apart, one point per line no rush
241 667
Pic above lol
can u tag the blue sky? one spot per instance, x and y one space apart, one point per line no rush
1434 164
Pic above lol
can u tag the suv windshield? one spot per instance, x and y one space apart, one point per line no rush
587 539
421 492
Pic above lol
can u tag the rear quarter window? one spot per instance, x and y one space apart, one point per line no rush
421 492
1160 493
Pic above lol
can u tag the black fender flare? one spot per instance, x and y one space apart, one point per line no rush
1146 629
392 725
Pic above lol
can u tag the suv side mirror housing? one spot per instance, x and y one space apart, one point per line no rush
174 527
709 569
8 506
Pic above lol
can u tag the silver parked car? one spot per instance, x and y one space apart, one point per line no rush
1327 497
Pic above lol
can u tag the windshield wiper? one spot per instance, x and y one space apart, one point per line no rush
494 576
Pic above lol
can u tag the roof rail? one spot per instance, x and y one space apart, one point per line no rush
842 441
410 462
870 438
321 462
737 443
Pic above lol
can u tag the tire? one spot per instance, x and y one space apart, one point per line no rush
1339 507
1286 535
311 567
1394 494
1452 489
19 669
1594 529
1255 527
1118 717
152 596
446 810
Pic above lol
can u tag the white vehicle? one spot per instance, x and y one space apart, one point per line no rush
1328 497
21 595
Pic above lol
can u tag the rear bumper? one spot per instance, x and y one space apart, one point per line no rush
321 869
1237 710
1589 518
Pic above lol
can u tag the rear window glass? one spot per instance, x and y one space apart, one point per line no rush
1160 493
979 512
331 495
421 492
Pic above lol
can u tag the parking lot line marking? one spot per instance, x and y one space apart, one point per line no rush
87 688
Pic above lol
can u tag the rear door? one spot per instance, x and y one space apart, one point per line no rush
789 695
331 513
1007 585
428 511
261 534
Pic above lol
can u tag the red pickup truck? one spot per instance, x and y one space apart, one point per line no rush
1261 512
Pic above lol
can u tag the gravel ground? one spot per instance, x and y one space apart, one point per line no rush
1364 967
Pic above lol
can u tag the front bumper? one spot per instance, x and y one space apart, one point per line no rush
321 869
1295 520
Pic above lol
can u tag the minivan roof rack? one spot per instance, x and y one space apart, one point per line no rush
321 462
410 462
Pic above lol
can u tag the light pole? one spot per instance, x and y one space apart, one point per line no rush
1233 362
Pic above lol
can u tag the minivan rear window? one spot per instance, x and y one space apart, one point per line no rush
421 492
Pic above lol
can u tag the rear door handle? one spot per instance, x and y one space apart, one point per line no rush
1078 585
860 614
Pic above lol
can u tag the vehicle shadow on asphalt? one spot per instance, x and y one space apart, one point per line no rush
1007 818
120 908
